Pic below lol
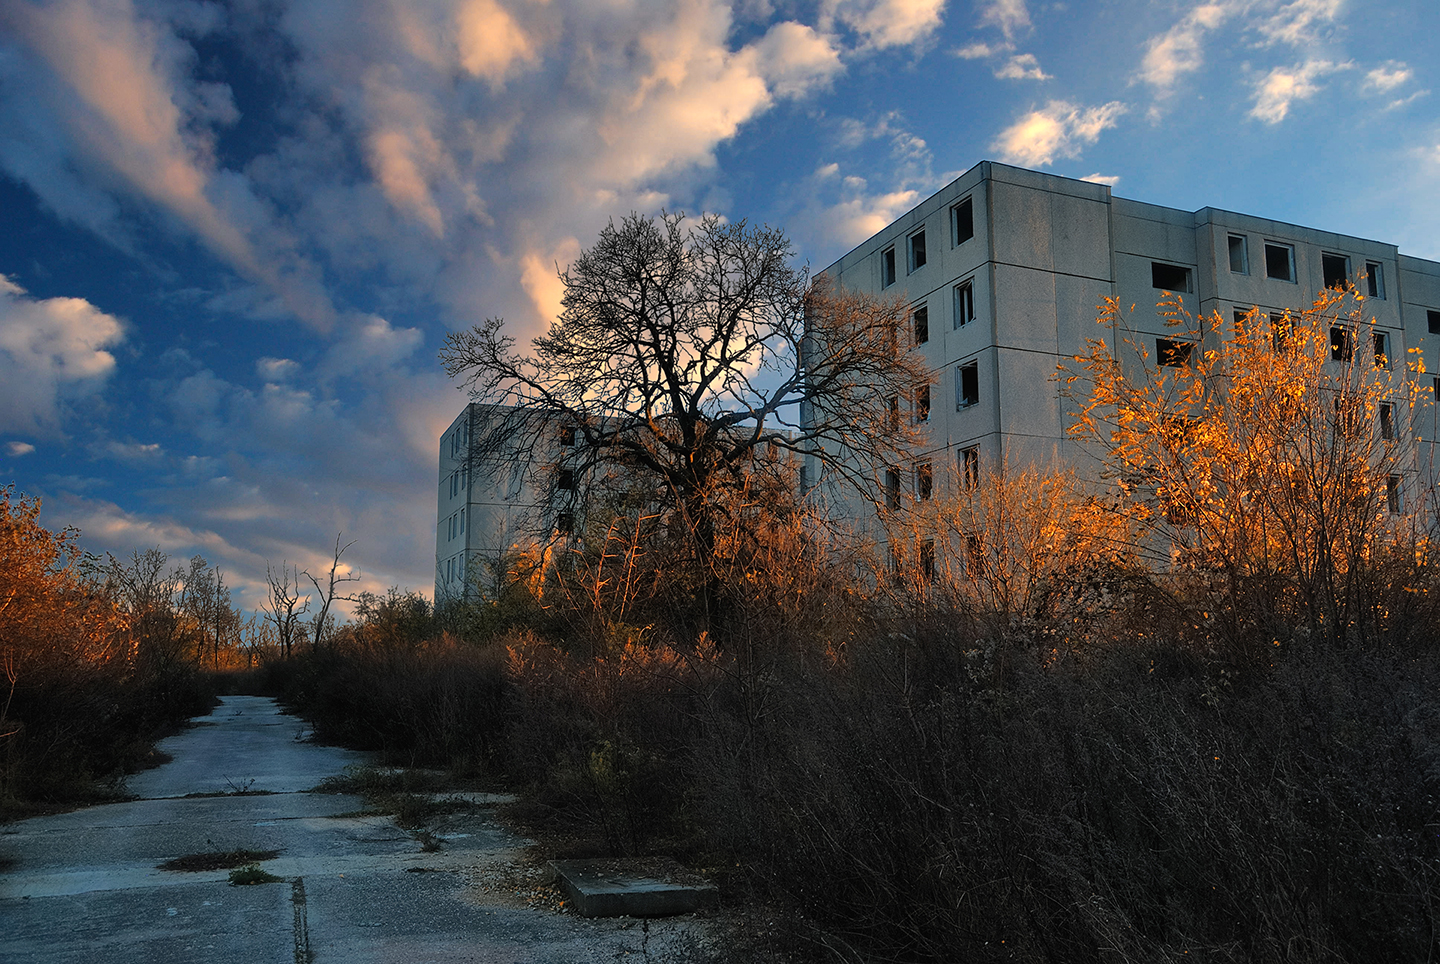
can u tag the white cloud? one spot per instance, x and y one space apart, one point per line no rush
276 369
17 449
1301 22
1282 86
52 351
1010 16
1110 180
888 23
1385 78
794 59
1060 129
979 51
1022 67
1178 51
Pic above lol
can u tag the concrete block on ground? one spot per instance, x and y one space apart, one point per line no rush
640 887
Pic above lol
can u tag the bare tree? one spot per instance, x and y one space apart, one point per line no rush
327 593
683 354
285 605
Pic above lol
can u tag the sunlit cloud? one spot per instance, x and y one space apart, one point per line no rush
1179 50
1385 78
52 351
888 23
1110 180
1283 86
1301 23
979 51
1022 67
1060 129
1010 16
17 449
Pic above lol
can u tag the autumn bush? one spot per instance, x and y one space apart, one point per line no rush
87 682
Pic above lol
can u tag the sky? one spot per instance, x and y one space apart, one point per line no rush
234 235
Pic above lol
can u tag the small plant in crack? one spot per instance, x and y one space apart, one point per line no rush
251 873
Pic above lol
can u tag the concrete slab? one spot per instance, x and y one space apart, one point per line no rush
644 887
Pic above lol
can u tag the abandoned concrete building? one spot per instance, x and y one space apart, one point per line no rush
1004 269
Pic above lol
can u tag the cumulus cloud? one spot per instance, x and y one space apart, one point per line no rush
1010 16
17 449
1059 129
1300 23
1179 50
794 59
52 351
979 51
1022 67
1283 86
888 23
1109 180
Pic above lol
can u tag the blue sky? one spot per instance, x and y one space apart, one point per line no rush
232 236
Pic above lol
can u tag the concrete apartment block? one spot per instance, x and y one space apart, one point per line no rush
1005 269
1015 263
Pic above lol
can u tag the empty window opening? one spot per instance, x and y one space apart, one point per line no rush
964 303
1336 268
1174 354
892 488
916 243
962 220
1387 421
1375 279
1342 344
1392 494
462 521
924 481
1279 261
1432 319
922 404
1281 333
974 554
1170 277
1382 350
804 478
1239 254
970 464
921 317
565 523
566 479
887 267
1435 388
927 560
967 385
567 436
894 413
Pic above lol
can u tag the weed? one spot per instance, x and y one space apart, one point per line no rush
248 874
218 860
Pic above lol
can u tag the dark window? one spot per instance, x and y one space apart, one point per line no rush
1170 277
1175 354
970 465
1280 332
1432 318
1375 279
975 554
924 481
1336 268
967 385
892 488
916 243
566 479
927 560
1387 420
804 478
1392 494
963 220
1239 254
567 436
964 303
922 403
1342 344
1382 350
1435 387
921 317
894 413
887 267
565 523
1279 261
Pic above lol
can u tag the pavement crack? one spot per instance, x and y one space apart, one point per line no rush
303 954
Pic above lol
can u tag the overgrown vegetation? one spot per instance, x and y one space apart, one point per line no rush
97 659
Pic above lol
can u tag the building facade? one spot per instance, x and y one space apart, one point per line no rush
1006 269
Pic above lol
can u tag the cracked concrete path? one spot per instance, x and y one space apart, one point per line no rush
85 887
